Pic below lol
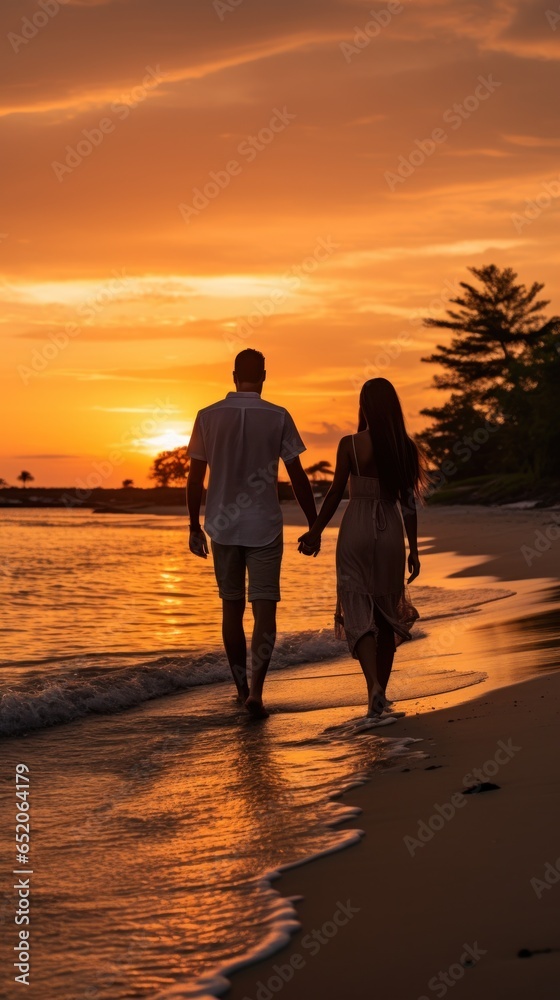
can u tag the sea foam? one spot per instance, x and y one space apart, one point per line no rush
69 697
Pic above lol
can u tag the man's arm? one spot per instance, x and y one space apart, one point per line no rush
195 485
302 489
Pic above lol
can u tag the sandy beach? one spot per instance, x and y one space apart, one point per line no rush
475 884
479 881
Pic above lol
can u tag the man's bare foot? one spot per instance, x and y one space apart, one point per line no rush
242 694
256 708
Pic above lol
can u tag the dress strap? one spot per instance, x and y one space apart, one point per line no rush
355 455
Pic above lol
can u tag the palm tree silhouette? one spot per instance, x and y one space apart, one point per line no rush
25 477
322 469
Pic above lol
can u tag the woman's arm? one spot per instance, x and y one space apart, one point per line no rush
332 499
410 519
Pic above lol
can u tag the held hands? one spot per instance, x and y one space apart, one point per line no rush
309 544
413 566
198 544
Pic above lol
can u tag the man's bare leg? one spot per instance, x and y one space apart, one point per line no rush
236 644
264 639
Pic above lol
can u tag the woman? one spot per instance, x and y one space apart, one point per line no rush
386 472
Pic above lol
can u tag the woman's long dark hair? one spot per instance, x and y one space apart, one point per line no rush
400 464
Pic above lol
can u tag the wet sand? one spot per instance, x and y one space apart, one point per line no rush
446 891
418 903
515 544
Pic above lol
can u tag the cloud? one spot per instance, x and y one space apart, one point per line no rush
143 39
133 409
533 141
463 248
328 437
111 376
56 74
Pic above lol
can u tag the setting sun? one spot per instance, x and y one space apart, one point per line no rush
165 441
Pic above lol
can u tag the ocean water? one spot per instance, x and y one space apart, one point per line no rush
102 613
158 807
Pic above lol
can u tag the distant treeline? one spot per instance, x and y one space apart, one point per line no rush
164 496
71 497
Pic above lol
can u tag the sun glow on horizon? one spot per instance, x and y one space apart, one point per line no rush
166 440
323 238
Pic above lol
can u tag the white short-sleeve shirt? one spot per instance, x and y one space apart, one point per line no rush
243 437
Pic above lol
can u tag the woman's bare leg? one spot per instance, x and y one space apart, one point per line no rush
385 652
366 650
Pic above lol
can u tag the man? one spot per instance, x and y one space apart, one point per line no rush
241 438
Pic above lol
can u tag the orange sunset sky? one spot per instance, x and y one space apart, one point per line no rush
122 311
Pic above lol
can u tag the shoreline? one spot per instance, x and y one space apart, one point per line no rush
290 509
469 870
457 879
298 888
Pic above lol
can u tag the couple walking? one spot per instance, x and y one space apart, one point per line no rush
242 439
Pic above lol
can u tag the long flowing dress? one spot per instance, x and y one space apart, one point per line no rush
370 565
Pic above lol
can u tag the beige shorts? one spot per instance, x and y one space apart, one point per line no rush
233 562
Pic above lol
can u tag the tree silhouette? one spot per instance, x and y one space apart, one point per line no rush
3 484
170 468
502 366
494 326
25 477
321 469
127 483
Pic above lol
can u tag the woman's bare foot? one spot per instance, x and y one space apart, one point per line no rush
376 703
256 708
374 720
